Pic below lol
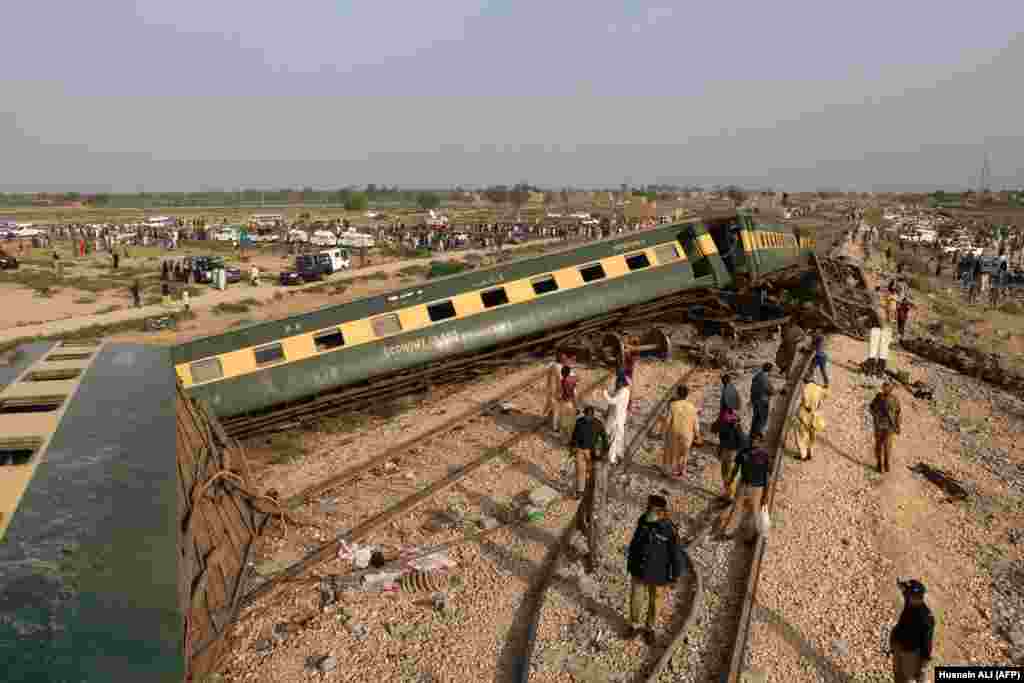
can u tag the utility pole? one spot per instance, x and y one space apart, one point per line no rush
985 179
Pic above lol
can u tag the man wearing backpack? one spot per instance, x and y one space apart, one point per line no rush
911 639
753 464
654 560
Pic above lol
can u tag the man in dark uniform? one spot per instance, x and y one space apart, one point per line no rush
886 414
911 639
588 436
654 560
761 392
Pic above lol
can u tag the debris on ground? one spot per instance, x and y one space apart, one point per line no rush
946 482
359 555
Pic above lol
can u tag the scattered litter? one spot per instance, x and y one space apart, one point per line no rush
533 514
359 555
418 582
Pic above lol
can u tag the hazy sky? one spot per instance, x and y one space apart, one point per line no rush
181 94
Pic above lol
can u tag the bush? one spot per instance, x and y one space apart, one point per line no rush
445 268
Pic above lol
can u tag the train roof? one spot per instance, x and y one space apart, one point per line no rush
434 290
88 582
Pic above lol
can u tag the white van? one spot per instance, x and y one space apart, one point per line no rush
354 239
335 259
324 238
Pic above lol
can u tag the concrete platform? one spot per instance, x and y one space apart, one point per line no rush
88 562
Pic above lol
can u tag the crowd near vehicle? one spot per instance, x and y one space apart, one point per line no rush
276 362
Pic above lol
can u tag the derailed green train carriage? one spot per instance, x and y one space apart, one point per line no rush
278 362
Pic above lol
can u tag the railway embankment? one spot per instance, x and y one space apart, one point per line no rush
843 533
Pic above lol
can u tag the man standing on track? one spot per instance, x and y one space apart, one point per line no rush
730 435
554 386
761 392
616 417
588 435
886 413
654 560
682 431
566 405
753 464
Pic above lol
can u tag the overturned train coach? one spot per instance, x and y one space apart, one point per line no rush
272 363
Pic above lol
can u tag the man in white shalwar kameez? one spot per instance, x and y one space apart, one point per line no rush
615 419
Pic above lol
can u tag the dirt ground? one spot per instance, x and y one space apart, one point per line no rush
860 531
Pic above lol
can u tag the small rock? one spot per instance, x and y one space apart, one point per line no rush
588 586
281 632
327 664
359 631
440 601
328 506
263 644
842 648
489 522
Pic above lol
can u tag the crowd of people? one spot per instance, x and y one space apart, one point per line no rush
654 558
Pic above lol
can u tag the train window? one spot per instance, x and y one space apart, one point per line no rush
206 370
544 284
271 353
329 339
442 310
666 253
387 324
592 272
638 261
494 297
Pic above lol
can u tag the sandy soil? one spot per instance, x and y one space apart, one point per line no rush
406 639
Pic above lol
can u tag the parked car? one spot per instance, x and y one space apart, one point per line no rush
8 263
324 238
310 268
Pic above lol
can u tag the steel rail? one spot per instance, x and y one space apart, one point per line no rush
330 549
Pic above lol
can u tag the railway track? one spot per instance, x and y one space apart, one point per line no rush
726 619
721 598
411 499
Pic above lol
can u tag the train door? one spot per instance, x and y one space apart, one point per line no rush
703 269
724 232
751 258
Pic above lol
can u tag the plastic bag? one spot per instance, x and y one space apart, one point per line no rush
763 521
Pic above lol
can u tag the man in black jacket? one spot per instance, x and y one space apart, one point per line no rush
588 437
654 560
911 639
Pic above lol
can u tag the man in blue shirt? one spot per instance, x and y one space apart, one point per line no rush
820 359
